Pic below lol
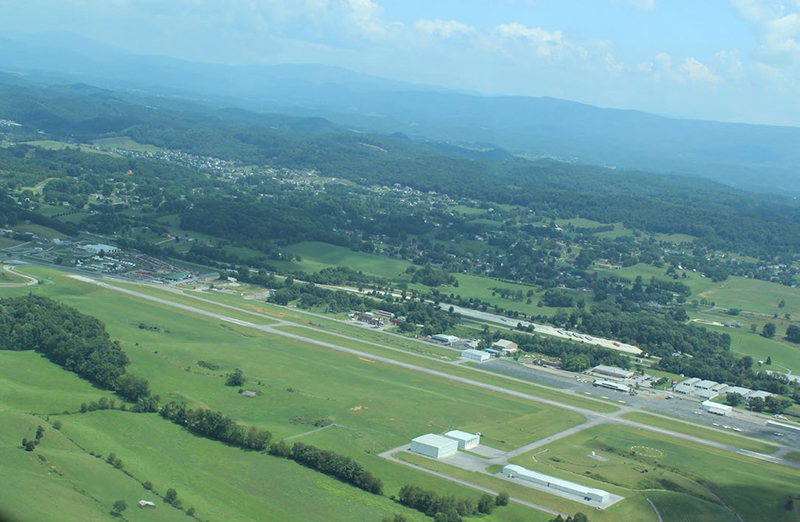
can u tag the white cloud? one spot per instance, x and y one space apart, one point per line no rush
544 43
778 29
612 65
697 71
367 18
443 28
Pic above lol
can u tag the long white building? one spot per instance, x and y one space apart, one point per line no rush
514 471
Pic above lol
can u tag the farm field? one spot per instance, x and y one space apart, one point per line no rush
6 242
694 281
639 460
124 142
701 432
753 295
40 230
316 256
59 145
784 355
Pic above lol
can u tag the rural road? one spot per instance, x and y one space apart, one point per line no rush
10 270
592 416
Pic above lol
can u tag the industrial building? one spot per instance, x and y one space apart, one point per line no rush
475 355
719 388
758 394
706 395
465 440
558 484
611 385
434 446
705 385
612 371
96 249
445 339
744 392
505 346
715 408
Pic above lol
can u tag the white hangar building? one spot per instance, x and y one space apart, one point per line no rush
465 440
475 355
434 446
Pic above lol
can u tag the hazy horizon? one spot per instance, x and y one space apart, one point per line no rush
736 61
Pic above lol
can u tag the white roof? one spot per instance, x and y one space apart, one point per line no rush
759 393
99 247
716 406
691 382
460 435
523 472
705 394
705 384
738 389
719 387
470 351
503 343
432 439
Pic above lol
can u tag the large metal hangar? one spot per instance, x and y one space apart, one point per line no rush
465 440
434 446
556 483
475 355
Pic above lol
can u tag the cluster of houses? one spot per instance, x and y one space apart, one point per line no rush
707 390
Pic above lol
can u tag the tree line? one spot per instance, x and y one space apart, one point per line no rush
216 425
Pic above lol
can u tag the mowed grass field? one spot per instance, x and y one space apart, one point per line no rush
754 295
374 406
315 256
699 475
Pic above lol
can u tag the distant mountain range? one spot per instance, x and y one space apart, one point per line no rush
754 157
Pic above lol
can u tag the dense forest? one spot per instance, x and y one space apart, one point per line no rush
77 342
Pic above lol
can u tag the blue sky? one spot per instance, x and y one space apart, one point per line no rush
730 60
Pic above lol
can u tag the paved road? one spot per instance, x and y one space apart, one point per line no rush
681 407
10 270
542 329
613 418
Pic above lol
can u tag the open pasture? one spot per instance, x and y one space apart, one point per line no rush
316 256
754 295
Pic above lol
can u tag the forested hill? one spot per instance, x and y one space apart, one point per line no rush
720 215
755 157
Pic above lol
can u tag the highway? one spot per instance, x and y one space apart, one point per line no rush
542 329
